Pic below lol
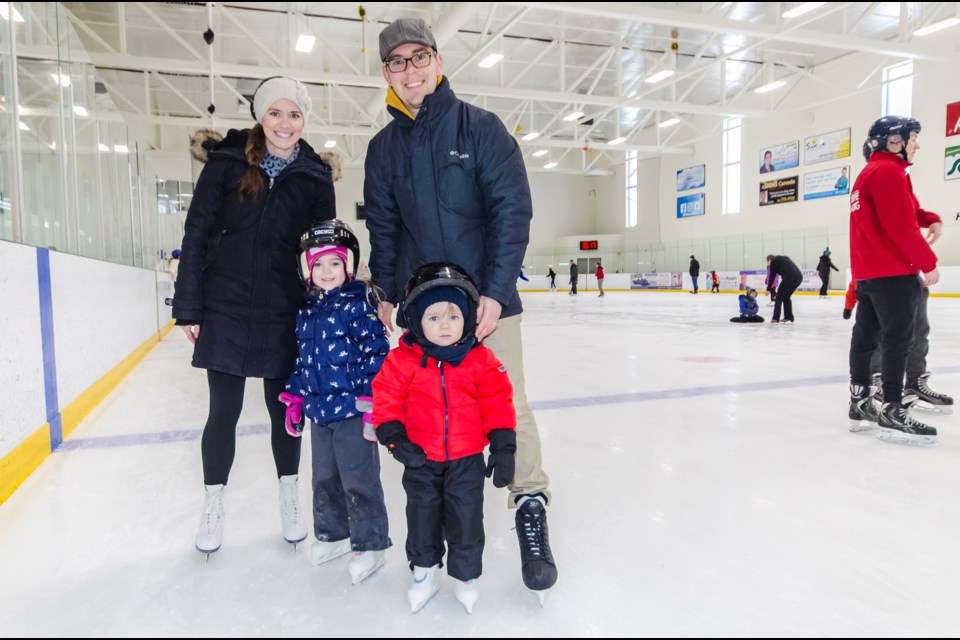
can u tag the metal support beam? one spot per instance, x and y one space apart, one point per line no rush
483 47
715 24
173 34
179 94
79 24
270 54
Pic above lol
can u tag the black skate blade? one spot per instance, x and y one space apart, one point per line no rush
899 437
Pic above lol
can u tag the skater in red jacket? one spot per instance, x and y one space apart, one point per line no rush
439 398
887 255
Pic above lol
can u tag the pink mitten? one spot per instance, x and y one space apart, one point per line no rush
365 405
294 419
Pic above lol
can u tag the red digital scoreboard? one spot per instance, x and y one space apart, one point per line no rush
588 245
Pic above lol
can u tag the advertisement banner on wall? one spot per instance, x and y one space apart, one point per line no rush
951 163
729 280
953 119
811 280
824 184
691 177
693 205
827 146
661 280
753 279
779 191
780 156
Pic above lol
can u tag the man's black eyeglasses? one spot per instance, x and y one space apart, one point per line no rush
420 60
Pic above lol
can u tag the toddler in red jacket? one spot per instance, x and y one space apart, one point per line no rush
439 398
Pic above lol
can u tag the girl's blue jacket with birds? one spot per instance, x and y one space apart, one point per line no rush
340 347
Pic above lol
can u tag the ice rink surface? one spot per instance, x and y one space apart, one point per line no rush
703 477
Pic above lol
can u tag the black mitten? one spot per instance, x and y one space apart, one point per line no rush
393 435
501 464
847 313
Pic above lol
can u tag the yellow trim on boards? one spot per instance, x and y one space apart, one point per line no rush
73 414
16 466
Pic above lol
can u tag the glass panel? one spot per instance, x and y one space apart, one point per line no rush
898 90
9 226
43 198
754 257
733 145
89 200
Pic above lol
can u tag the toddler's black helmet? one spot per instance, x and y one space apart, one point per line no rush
431 276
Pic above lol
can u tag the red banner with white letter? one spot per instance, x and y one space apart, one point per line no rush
953 119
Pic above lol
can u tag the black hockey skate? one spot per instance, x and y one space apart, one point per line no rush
536 560
918 395
897 426
864 412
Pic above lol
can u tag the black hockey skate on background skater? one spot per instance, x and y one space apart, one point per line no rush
896 425
917 394
536 560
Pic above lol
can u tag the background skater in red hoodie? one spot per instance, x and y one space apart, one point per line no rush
887 253
438 399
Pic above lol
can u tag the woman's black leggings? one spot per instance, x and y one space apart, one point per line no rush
219 442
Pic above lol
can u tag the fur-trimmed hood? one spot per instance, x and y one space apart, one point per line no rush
203 140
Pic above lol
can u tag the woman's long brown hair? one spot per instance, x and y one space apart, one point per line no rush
251 185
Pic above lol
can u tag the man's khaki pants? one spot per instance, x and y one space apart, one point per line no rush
529 478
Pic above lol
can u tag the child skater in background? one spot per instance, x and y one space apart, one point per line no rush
772 288
749 309
440 397
341 345
714 282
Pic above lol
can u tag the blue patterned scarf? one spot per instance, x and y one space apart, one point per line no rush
274 165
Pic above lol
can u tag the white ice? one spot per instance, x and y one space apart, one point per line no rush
703 477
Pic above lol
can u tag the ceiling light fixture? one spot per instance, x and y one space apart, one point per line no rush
619 140
659 76
305 43
669 123
540 153
576 115
550 165
490 60
937 26
801 9
530 136
329 144
770 86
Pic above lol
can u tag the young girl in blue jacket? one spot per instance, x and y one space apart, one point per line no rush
341 345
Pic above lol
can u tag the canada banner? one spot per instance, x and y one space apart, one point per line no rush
953 119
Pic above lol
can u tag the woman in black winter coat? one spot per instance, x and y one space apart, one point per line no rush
238 289
823 269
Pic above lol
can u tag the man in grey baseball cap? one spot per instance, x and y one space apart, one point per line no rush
402 31
445 181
